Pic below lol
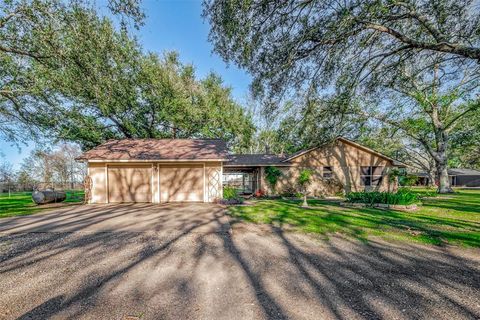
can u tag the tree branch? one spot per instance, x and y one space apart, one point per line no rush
446 47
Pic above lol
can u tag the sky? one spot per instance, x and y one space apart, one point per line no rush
170 25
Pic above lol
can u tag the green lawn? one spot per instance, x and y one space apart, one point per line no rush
446 219
18 204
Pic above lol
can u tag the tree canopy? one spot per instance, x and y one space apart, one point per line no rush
296 44
69 73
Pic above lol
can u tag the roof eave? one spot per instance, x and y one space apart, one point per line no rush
257 165
151 160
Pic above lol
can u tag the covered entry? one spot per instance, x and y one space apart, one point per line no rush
244 180
184 182
131 183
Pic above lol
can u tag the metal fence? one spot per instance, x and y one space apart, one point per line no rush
6 187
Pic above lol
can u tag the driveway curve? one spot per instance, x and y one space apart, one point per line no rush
191 261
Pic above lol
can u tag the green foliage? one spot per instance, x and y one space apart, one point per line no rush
304 180
275 43
407 180
393 174
230 196
68 72
404 178
401 197
271 175
229 193
465 143
305 177
49 52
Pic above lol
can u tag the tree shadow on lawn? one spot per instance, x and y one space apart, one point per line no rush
459 202
362 223
232 273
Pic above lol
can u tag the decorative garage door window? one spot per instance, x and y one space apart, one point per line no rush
214 183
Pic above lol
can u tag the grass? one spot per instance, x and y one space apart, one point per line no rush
21 203
446 219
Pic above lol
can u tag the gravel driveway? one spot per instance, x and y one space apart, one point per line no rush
190 261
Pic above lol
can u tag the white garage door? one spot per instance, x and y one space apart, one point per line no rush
181 183
130 184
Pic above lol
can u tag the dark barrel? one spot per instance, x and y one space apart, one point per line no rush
48 196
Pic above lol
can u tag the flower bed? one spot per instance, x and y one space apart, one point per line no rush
403 199
410 207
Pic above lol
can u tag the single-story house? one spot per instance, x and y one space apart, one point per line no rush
458 178
167 170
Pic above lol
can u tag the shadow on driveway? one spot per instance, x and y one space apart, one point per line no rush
191 261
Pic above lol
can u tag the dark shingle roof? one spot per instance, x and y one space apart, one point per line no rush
454 172
158 149
463 172
255 159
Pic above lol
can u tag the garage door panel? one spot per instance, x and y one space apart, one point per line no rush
129 184
181 183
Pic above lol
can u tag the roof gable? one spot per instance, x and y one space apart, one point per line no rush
344 140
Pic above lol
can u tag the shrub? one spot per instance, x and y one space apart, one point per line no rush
402 196
229 193
230 196
271 175
407 180
304 180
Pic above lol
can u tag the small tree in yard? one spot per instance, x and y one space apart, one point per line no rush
272 174
304 181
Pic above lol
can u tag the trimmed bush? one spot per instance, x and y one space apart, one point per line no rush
229 193
402 197
230 196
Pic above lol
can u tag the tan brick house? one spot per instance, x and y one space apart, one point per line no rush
167 170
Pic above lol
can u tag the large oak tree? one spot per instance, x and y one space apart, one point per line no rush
69 73
360 49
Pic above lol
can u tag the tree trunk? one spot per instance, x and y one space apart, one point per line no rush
443 179
305 204
441 141
431 178
441 160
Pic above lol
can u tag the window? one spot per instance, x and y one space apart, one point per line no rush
371 176
327 172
